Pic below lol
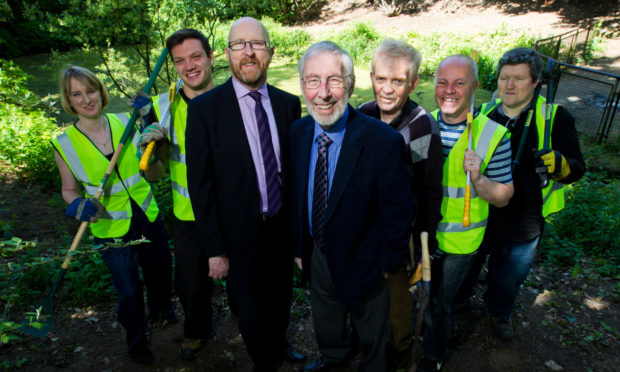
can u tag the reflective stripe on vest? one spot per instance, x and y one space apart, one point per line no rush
178 169
452 236
76 149
552 195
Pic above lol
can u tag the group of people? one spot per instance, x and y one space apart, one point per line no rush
339 192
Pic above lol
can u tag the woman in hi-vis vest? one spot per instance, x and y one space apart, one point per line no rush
126 210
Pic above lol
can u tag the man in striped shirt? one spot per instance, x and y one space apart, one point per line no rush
488 163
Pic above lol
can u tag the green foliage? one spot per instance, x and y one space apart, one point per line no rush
360 40
25 129
291 43
284 11
587 227
490 46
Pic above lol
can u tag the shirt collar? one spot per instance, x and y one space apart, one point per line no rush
242 91
335 132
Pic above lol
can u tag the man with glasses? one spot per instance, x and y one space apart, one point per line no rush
237 161
352 211
394 76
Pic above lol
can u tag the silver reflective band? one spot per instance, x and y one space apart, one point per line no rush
146 202
449 227
114 215
482 147
73 159
175 155
458 192
555 186
183 191
164 106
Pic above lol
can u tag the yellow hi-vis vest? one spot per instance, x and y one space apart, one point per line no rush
176 124
452 236
88 166
553 194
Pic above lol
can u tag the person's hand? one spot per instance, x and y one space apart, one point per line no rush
471 163
218 267
552 162
298 262
85 209
153 132
142 103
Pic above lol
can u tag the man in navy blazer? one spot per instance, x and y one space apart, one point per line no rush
352 210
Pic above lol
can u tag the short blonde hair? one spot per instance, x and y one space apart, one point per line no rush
85 77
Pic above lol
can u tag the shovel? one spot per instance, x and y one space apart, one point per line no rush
40 323
424 292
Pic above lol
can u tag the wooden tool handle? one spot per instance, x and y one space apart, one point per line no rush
426 260
146 158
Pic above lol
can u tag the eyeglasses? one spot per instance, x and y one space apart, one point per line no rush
254 45
334 81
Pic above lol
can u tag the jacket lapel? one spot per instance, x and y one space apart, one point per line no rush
352 145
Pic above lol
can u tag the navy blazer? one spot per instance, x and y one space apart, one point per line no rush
369 208
222 180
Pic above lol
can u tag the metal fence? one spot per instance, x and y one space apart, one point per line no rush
591 96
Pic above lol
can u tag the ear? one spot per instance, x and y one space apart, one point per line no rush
210 56
476 85
414 84
227 52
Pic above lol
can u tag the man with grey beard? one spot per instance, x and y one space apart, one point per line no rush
352 209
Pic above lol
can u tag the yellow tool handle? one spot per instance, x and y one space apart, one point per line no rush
466 206
146 158
426 260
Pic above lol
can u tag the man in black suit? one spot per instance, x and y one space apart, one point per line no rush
352 210
237 161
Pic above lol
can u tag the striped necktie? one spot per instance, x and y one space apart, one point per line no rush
274 202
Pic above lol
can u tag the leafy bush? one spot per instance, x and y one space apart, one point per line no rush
588 226
360 40
25 129
288 42
490 47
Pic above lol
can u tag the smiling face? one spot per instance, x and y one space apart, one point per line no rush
454 87
249 66
193 66
325 104
85 101
515 87
391 85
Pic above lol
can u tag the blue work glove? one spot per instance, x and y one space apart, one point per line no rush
85 209
142 103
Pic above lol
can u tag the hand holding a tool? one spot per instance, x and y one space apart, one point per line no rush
142 103
85 209
553 163
472 163
152 134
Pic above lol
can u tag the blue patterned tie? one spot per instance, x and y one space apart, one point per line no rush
270 164
321 187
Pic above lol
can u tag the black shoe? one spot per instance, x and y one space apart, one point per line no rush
190 348
141 354
502 328
319 365
292 355
429 365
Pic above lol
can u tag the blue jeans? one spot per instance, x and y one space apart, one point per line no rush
508 267
447 275
155 260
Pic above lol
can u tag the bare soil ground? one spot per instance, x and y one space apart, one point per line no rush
565 321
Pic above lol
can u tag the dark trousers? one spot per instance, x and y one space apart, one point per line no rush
261 294
192 281
401 310
330 319
155 260
447 274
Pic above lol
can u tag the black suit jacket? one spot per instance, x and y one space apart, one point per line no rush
369 209
221 176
